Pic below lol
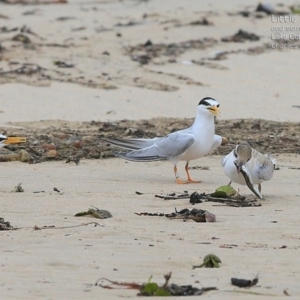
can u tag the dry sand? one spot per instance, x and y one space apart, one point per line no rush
65 263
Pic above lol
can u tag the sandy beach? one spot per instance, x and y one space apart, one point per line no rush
69 69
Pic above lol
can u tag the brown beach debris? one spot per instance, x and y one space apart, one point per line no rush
153 289
243 283
197 215
241 36
210 261
96 213
144 53
5 225
76 160
18 188
226 195
263 135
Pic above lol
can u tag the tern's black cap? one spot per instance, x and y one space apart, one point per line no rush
204 102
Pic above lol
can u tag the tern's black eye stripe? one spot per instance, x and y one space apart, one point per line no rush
234 153
2 139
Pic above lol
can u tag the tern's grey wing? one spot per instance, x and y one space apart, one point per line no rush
265 165
169 147
131 144
175 144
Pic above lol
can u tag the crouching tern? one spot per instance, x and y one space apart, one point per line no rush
183 145
247 166
4 141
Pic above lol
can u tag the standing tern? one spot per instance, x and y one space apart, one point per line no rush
245 165
183 145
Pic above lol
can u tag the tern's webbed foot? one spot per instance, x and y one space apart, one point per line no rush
179 181
193 181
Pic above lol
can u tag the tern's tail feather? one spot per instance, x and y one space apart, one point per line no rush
131 144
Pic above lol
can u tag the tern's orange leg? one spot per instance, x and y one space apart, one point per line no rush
179 181
188 174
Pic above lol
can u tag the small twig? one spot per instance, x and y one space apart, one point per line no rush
128 285
65 227
167 279
18 188
53 227
166 197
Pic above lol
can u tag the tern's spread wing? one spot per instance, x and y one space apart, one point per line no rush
169 147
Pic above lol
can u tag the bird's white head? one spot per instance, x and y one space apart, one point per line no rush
242 153
209 106
3 138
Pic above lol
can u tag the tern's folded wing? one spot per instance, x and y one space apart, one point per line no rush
169 147
175 144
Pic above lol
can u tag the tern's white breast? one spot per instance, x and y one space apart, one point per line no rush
204 138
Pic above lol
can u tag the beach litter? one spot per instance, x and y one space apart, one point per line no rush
96 213
197 215
153 289
210 261
244 282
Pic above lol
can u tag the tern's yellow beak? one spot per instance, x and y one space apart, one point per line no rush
14 140
214 110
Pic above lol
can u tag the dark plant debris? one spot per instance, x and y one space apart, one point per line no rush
144 53
5 225
153 289
37 75
195 197
197 215
18 188
224 194
174 196
241 36
95 212
82 140
63 64
242 283
235 201
76 160
210 261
